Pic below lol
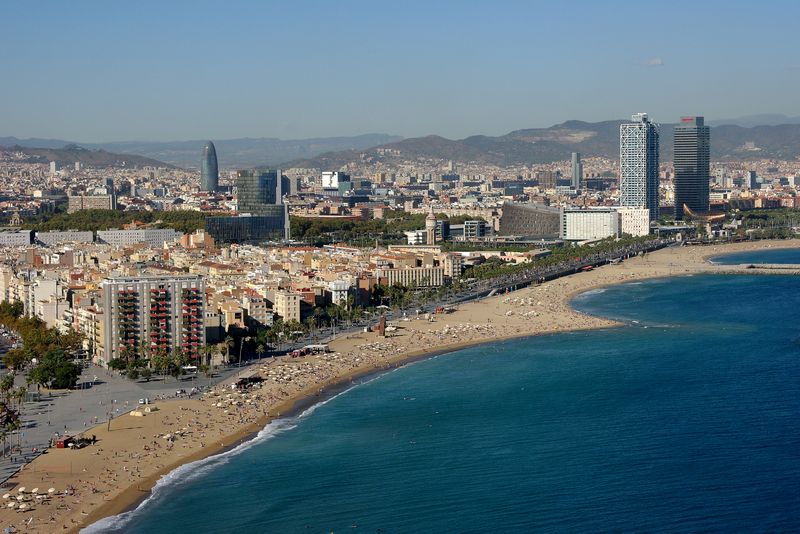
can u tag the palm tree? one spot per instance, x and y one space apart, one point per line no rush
207 352
260 350
229 343
241 346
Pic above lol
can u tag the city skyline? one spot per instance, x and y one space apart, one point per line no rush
88 75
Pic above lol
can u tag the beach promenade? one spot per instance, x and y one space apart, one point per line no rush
129 458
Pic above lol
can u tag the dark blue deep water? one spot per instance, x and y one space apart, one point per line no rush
785 255
687 419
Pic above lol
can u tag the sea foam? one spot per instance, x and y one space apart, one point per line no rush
188 472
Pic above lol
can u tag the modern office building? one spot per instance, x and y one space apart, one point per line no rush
634 221
258 192
91 202
209 171
156 313
475 229
332 179
154 237
262 214
14 238
577 170
248 228
56 237
529 220
692 143
589 224
638 161
442 230
751 180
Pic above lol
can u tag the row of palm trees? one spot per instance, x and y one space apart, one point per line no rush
11 401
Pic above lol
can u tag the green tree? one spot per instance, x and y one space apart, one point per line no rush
55 371
16 359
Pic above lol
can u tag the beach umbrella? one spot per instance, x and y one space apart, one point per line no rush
6 495
51 490
20 497
11 504
23 506
22 489
35 490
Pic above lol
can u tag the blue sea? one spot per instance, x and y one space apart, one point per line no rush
685 419
785 255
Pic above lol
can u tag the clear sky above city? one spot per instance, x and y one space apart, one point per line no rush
103 71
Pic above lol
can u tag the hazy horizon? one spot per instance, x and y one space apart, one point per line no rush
95 72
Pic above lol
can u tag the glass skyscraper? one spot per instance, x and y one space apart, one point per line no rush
209 172
577 170
262 213
638 164
692 153
258 191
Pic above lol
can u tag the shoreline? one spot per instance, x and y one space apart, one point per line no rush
129 497
132 497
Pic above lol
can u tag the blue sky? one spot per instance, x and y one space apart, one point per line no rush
170 70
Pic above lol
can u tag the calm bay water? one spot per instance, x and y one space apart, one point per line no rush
786 255
686 419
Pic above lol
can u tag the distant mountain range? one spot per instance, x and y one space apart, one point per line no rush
556 143
756 136
70 154
231 153
764 119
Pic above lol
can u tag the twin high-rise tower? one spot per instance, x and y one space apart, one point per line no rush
691 162
638 161
638 164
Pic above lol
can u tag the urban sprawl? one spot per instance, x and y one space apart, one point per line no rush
165 270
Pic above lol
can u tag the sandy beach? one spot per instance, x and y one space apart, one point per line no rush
128 459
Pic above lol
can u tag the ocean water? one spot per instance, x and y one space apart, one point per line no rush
786 255
685 419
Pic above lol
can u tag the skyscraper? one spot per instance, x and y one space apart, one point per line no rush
258 192
209 172
638 164
262 214
752 180
577 170
691 162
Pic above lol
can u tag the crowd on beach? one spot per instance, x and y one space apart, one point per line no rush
133 450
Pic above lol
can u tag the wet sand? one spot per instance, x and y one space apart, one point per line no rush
119 471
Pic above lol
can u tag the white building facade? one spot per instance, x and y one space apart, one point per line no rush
634 221
589 224
154 237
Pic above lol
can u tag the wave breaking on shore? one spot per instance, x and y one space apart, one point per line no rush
186 473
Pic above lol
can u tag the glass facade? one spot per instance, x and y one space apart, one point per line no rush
209 172
248 228
691 160
258 191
